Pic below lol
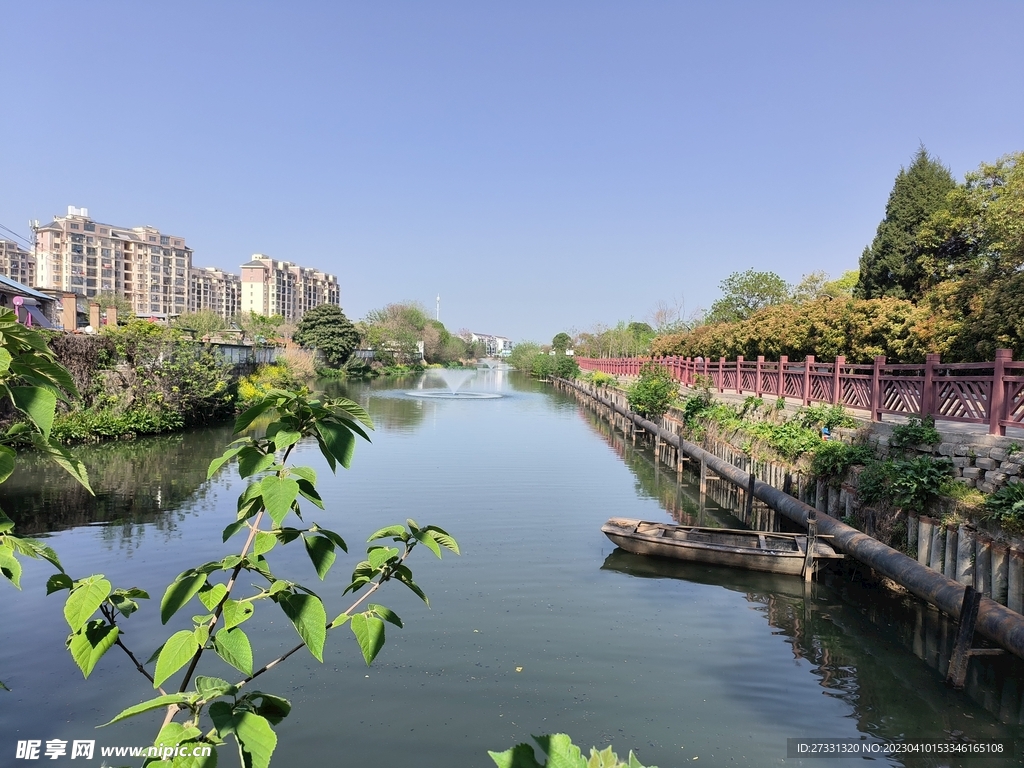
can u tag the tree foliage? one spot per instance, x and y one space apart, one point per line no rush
889 266
561 342
744 293
326 329
654 391
202 324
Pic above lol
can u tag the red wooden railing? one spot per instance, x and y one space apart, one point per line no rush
973 393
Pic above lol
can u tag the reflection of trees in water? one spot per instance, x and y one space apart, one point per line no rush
137 481
722 506
393 411
856 638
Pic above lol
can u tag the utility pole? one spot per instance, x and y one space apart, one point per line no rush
437 316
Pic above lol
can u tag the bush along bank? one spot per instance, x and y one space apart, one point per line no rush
140 379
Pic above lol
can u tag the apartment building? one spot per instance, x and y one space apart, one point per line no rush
17 263
272 287
216 290
77 254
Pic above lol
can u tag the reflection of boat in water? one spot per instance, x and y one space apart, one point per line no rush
784 553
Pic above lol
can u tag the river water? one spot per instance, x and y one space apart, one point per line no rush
540 626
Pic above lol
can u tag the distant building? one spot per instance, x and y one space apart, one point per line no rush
74 253
215 290
17 263
31 306
496 346
271 287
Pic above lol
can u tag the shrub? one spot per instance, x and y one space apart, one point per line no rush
654 391
915 432
833 458
908 484
830 416
1007 507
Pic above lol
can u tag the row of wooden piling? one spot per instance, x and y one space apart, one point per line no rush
969 557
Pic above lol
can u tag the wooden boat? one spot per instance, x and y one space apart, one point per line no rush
784 553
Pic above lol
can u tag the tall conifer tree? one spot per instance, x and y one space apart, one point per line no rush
888 267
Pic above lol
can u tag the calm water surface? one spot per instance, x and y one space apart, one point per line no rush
540 626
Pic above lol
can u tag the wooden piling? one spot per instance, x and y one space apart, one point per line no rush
949 567
1000 572
924 539
938 547
1015 581
965 555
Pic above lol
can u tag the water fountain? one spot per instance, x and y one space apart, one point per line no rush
454 378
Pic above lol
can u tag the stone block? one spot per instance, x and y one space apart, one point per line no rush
997 477
985 463
958 472
1013 480
946 449
961 449
1009 468
979 451
961 461
968 481
972 472
998 454
986 487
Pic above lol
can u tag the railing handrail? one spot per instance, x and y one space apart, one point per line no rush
989 393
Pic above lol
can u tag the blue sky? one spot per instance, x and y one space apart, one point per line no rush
543 166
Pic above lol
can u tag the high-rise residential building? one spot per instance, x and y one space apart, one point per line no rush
271 287
17 263
216 290
77 254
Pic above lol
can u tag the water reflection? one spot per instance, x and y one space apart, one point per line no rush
136 481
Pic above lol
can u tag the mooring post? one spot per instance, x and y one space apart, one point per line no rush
949 567
938 546
1000 572
962 650
812 540
703 479
924 539
750 492
912 534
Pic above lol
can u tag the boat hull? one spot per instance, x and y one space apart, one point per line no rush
749 550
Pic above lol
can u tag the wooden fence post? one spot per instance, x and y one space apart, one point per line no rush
997 402
836 382
721 374
782 374
928 388
739 374
758 384
808 362
876 388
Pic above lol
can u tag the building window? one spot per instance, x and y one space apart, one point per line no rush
74 226
89 227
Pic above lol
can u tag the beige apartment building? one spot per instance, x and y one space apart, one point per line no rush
216 290
17 263
77 254
271 287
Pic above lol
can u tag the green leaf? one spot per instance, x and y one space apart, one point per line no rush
283 438
378 556
5 360
443 538
178 735
62 458
232 529
255 736
339 441
561 751
384 613
9 566
219 462
520 756
338 541
263 543
369 632
252 461
274 708
278 496
89 643
6 524
321 552
57 582
309 618
425 538
352 410
158 703
7 458
233 646
85 599
211 595
234 613
212 687
309 492
43 371
177 652
179 592
249 416
306 473
38 404
340 620
391 531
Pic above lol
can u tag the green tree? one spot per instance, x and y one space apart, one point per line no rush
260 329
203 323
326 329
889 266
395 332
654 391
744 293
120 302
561 342
522 355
